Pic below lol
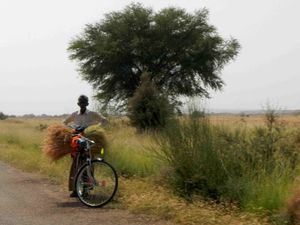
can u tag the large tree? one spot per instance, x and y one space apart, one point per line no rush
181 51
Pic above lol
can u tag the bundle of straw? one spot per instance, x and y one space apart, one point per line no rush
96 133
57 142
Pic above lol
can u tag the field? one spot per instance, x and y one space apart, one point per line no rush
143 184
253 120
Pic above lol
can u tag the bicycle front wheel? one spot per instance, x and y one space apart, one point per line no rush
96 184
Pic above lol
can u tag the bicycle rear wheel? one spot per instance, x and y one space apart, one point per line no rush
97 184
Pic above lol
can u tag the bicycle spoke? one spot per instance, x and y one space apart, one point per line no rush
96 185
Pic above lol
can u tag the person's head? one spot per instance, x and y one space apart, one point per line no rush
83 102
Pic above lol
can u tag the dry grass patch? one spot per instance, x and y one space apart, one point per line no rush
143 196
252 120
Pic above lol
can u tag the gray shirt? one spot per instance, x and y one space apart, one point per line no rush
86 119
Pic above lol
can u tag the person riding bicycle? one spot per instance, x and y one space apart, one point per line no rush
83 118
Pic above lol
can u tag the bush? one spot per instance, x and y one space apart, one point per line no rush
253 167
3 116
148 108
273 143
188 147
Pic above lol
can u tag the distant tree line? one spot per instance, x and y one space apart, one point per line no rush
3 116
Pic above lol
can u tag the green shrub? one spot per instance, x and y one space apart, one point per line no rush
189 149
255 167
148 108
3 116
271 146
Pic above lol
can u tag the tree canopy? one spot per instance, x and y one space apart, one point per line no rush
3 116
181 51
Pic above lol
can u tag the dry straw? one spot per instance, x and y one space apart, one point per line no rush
58 138
96 133
57 142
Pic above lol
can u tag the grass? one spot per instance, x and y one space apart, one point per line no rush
143 186
128 152
141 197
255 167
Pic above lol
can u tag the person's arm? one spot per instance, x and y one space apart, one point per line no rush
101 119
69 119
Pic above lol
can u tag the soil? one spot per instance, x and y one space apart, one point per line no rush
29 199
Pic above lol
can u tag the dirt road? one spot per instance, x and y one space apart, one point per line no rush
28 199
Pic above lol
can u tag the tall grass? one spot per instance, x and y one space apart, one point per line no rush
128 152
189 149
20 145
21 141
255 168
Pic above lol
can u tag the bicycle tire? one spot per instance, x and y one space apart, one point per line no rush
105 183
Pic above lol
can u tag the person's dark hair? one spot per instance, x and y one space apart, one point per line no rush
83 100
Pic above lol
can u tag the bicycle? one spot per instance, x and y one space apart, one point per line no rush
96 181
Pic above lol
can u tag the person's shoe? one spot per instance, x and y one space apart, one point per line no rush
73 194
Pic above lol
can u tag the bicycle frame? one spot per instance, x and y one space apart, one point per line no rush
89 144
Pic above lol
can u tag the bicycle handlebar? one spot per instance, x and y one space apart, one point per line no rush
77 128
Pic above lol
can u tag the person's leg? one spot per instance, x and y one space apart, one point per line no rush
73 170
81 162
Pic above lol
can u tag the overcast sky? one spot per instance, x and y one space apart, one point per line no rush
37 77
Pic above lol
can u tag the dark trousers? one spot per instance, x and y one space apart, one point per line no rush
77 162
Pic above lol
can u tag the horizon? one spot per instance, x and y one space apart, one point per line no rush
213 111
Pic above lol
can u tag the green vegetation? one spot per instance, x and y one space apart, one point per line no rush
3 116
182 53
253 168
148 109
